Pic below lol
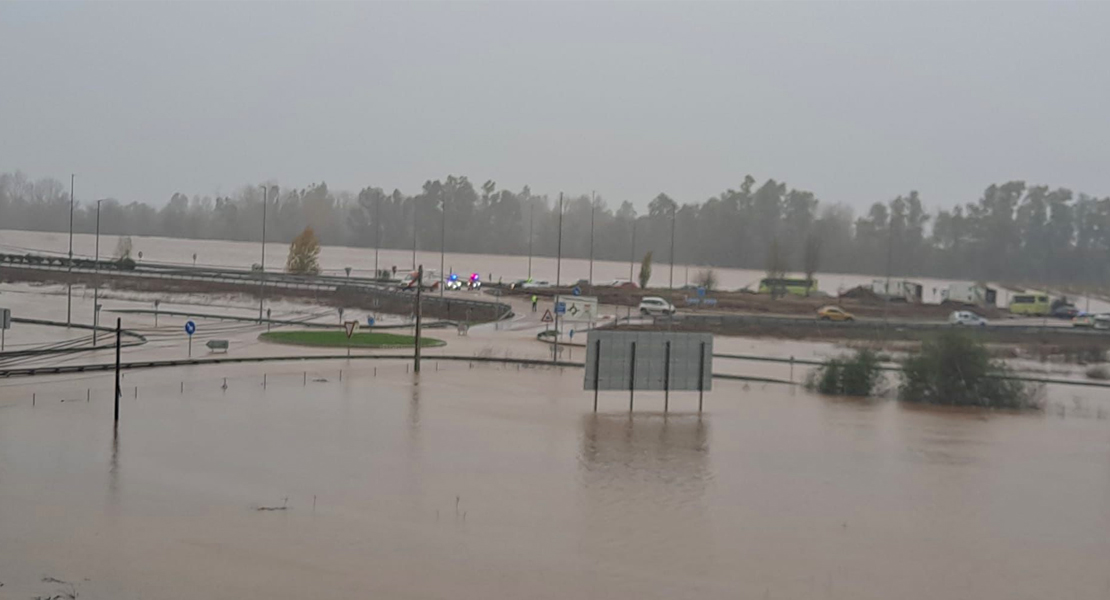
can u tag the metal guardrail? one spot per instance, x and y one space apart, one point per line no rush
316 283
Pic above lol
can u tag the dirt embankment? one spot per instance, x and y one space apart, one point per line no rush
861 305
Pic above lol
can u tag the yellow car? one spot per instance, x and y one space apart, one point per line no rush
834 313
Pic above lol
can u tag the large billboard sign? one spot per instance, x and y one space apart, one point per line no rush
648 361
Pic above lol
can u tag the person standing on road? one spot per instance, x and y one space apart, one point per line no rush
535 300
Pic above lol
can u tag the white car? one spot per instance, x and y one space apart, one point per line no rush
966 317
539 283
656 305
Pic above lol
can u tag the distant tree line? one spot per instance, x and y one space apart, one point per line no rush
1014 232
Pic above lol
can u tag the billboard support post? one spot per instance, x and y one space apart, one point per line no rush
597 370
667 379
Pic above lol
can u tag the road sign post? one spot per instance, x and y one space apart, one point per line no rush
351 327
190 329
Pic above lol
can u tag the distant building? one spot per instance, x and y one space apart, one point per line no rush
902 290
970 293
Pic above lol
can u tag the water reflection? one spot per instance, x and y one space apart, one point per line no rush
668 454
644 478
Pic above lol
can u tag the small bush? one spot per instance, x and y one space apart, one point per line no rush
707 279
955 369
1098 373
857 375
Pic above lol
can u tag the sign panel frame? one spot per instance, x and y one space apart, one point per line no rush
638 360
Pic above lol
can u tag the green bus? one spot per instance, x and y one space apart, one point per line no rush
1030 304
798 287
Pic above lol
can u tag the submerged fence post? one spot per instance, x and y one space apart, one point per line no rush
119 392
667 379
632 378
701 376
597 370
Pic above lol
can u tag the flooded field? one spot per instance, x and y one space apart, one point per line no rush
497 483
333 259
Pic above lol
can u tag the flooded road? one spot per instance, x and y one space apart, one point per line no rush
500 483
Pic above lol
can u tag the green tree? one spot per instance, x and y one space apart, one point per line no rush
645 271
811 257
304 254
776 267
956 369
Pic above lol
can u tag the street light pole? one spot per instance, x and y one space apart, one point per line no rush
593 206
262 274
377 233
69 280
559 252
96 287
531 215
674 215
632 250
414 207
442 244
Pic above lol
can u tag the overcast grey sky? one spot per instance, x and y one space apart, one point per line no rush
857 102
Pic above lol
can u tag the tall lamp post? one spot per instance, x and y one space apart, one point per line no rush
674 214
262 273
442 244
96 265
69 280
377 233
531 214
559 251
632 251
593 208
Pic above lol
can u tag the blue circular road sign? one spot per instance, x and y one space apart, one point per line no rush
190 327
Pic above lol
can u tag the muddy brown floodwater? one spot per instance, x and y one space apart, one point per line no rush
496 483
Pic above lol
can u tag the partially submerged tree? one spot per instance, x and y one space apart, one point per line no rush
811 258
955 369
857 375
706 278
645 271
776 268
304 254
123 253
123 247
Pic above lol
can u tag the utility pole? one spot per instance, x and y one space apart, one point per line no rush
262 274
559 252
96 265
69 280
889 260
674 215
632 251
377 233
531 215
442 244
593 207
416 342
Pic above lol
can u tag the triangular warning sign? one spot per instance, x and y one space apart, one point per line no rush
351 327
547 318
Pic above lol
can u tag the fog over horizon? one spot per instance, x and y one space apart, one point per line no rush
858 103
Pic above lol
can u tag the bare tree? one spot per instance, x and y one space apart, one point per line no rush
776 269
707 278
811 259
